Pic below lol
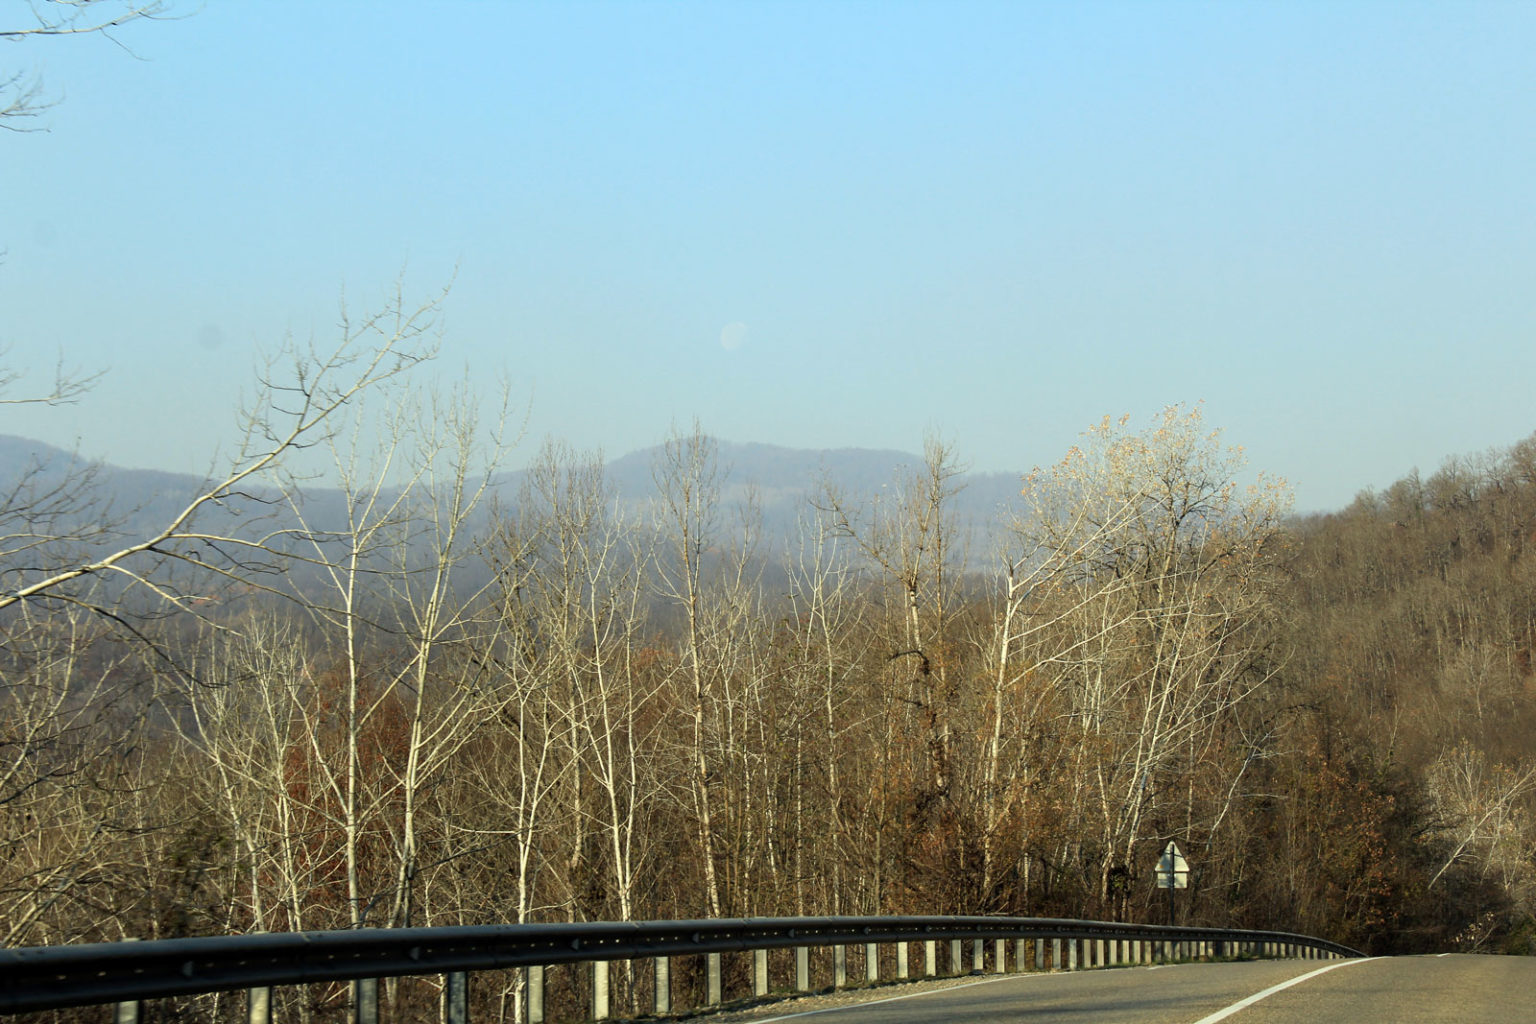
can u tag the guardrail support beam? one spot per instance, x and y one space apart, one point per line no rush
534 977
871 962
978 955
839 966
902 969
1020 962
712 969
455 998
802 968
258 1006
930 958
759 972
365 1001
661 971
954 957
600 1006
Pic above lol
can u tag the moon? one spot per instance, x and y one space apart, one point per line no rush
733 336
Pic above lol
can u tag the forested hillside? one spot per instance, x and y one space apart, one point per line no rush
626 719
1412 616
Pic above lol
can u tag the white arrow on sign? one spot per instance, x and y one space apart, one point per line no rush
1172 868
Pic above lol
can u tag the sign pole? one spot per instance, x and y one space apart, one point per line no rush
1172 872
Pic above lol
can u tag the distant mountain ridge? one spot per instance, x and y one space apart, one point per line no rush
782 480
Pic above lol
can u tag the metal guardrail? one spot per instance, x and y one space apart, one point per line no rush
58 977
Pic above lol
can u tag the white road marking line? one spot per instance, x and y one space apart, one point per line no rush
1438 955
1230 1010
892 999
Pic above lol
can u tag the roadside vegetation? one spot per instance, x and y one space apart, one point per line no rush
372 713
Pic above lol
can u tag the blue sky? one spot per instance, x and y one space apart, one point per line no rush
810 224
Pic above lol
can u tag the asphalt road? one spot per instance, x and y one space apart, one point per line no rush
1396 990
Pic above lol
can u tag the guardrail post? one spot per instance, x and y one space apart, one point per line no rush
802 968
930 957
1072 955
599 989
759 972
839 966
128 1013
978 955
365 1001
1114 953
999 957
534 977
456 998
1098 952
713 981
1056 954
1039 954
661 971
1020 959
258 1006
902 970
871 962
954 957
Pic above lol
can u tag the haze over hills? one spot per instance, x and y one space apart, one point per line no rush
781 481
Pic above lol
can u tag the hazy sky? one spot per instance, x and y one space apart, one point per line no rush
809 224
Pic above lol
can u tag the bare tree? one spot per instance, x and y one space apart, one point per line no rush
292 412
73 699
822 673
21 95
688 485
1160 659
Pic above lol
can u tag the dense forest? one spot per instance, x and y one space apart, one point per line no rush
400 718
